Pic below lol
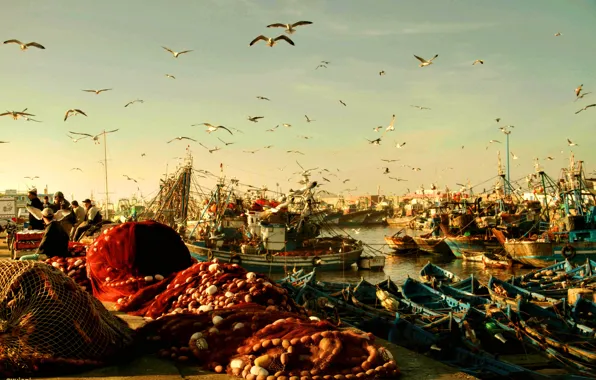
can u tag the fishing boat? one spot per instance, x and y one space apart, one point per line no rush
578 242
430 298
574 343
401 244
473 256
473 243
505 294
491 260
275 240
432 244
434 273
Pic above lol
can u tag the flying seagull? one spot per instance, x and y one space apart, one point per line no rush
15 114
251 151
421 107
377 129
342 102
94 138
386 171
77 139
31 178
79 169
295 151
308 120
382 72
255 119
30 119
325 62
386 160
578 89
271 41
73 112
514 156
289 27
287 125
225 143
397 179
375 141
494 141
129 178
97 92
272 129
213 128
4 142
424 62
133 102
268 147
557 34
170 76
24 46
478 61
399 146
498 119
262 98
321 65
571 143
390 126
182 138
586 107
550 158
581 96
175 53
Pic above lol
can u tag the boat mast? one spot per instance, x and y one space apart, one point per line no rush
105 166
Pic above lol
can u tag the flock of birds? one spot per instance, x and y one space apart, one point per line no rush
289 29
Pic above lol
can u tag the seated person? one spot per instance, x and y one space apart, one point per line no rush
55 240
92 218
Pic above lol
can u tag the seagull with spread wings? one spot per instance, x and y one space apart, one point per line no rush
290 28
213 128
251 151
571 143
129 178
478 61
24 46
295 151
133 102
308 120
170 76
272 129
342 102
398 179
97 92
390 127
175 53
375 141
255 119
271 41
77 139
225 143
79 169
31 178
586 107
263 98
581 96
94 138
180 138
421 107
16 114
424 62
73 112
4 142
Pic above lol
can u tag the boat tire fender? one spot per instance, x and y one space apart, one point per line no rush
316 261
235 258
269 257
568 252
210 255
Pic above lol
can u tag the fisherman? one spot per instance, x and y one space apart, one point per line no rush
92 218
55 239
435 225
62 204
34 223
46 202
79 212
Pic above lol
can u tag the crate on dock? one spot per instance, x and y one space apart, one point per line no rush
29 235
27 245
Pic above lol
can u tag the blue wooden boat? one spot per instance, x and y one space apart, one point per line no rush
473 243
583 311
504 294
470 285
434 273
444 348
424 297
464 296
574 342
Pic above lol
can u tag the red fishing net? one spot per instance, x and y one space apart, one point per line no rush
73 267
125 258
254 343
207 286
48 324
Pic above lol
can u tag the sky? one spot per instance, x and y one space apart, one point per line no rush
528 80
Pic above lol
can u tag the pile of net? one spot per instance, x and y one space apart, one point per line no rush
77 249
48 325
73 267
126 258
250 342
207 286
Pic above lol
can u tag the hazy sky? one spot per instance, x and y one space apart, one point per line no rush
528 80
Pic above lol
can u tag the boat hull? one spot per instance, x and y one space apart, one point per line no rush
470 243
259 263
365 217
406 222
474 256
436 246
542 254
399 244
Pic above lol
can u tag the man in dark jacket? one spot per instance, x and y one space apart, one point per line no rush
55 240
92 218
34 223
62 204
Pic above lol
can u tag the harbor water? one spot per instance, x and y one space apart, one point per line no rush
398 268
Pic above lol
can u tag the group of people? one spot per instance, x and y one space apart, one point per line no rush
75 222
